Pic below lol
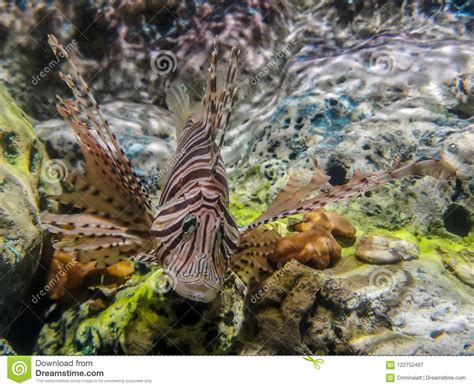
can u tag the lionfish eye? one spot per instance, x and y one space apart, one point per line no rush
189 224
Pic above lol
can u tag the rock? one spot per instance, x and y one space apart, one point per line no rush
461 264
383 250
341 226
24 181
459 149
5 348
143 318
126 59
410 308
361 120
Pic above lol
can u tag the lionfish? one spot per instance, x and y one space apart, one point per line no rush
191 232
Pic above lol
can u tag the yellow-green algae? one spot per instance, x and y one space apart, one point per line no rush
21 159
244 213
141 320
440 247
14 122
21 187
250 195
248 198
430 244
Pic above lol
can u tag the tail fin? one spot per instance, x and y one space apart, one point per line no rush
436 168
118 214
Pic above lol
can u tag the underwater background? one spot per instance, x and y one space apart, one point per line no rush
353 85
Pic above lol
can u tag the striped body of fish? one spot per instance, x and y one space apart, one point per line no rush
194 230
191 233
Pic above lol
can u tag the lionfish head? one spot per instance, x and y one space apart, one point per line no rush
195 248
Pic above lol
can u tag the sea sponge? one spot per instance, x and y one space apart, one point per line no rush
315 243
339 225
68 278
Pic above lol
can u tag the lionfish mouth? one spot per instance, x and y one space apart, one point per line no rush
198 289
195 282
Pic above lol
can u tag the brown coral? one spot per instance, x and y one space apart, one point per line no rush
315 244
339 225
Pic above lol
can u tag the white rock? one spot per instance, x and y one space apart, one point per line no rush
384 250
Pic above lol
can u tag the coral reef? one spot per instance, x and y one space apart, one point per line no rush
357 108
